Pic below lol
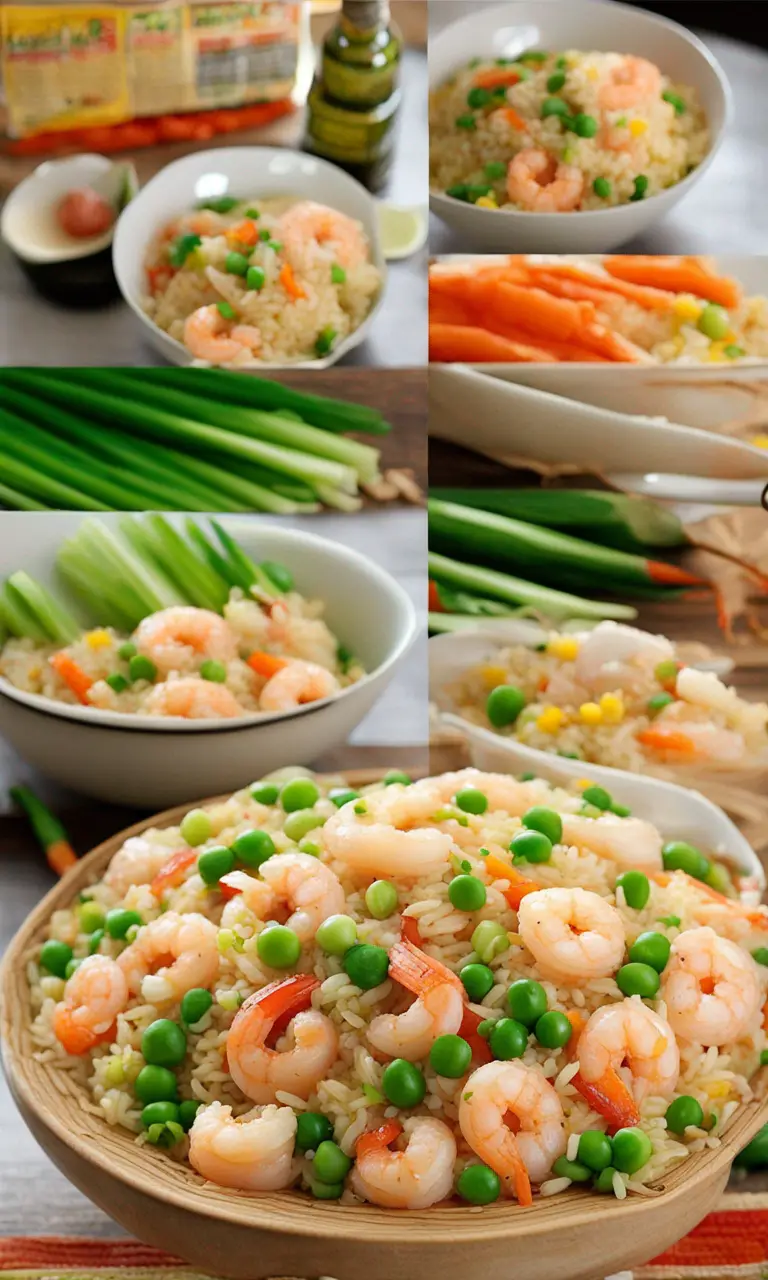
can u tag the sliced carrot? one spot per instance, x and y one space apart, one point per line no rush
266 664
172 872
290 283
374 1140
567 352
409 929
679 743
468 1031
610 1098
418 972
496 78
675 274
73 675
453 342
565 273
519 887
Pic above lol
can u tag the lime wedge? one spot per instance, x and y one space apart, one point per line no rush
402 230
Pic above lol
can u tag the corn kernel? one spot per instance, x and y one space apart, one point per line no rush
550 719
612 707
515 939
592 73
583 783
591 712
114 1073
759 441
638 127
718 1089
486 202
687 309
98 639
564 647
716 354
493 676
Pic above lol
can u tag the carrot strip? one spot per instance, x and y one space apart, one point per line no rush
409 930
496 78
658 741
568 352
172 872
244 233
374 1140
453 342
676 275
290 283
266 664
73 675
519 887
563 274
445 310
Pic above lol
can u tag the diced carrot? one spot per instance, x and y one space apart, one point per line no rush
244 233
409 930
290 283
481 1050
543 684
496 78
678 743
375 1139
266 664
418 972
172 872
73 675
675 274
514 118
159 277
453 342
610 1098
519 887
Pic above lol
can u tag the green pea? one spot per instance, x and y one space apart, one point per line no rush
651 949
470 800
141 668
672 922
195 1004
253 848
532 846
598 796
489 940
236 264
553 107
226 310
714 322
595 1150
325 1190
764 1058
330 1163
118 921
585 126
312 1128
495 169
604 1181
342 795
366 965
755 1154
508 1039
556 82
527 1001
547 821
719 878
160 1113
534 55
278 946
504 705
265 792
553 1030
299 793
155 1084
72 967
300 822
602 188
467 893
338 274
265 235
466 122
761 955
255 278
337 934
214 671
450 1056
181 249
657 703
396 776
637 979
621 810
164 1043
478 980
403 1084
55 956
734 352
684 1111
459 191
675 101
636 887
641 186
573 1169
632 1148
196 827
117 683
94 942
680 856
477 1184
91 917
127 650
188 1110
381 899
478 98
214 863
666 670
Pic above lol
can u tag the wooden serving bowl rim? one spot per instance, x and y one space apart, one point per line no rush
54 1099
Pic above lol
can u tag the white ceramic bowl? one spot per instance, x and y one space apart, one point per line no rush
148 762
509 29
679 812
257 172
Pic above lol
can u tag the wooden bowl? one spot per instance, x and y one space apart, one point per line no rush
250 1237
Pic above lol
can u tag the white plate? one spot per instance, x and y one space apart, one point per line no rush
247 172
508 30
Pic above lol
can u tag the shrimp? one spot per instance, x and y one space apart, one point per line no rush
629 842
246 891
438 1009
574 934
306 220
253 1152
711 988
704 689
93 997
626 1035
207 337
538 182
262 1073
193 699
614 656
137 862
297 683
414 1178
689 740
309 886
175 638
632 81
170 956
526 1151
377 849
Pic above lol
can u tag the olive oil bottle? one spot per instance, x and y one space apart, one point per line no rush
355 96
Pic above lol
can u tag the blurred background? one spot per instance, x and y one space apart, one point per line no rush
744 20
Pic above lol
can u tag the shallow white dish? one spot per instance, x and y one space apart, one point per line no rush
679 812
257 172
508 30
148 762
